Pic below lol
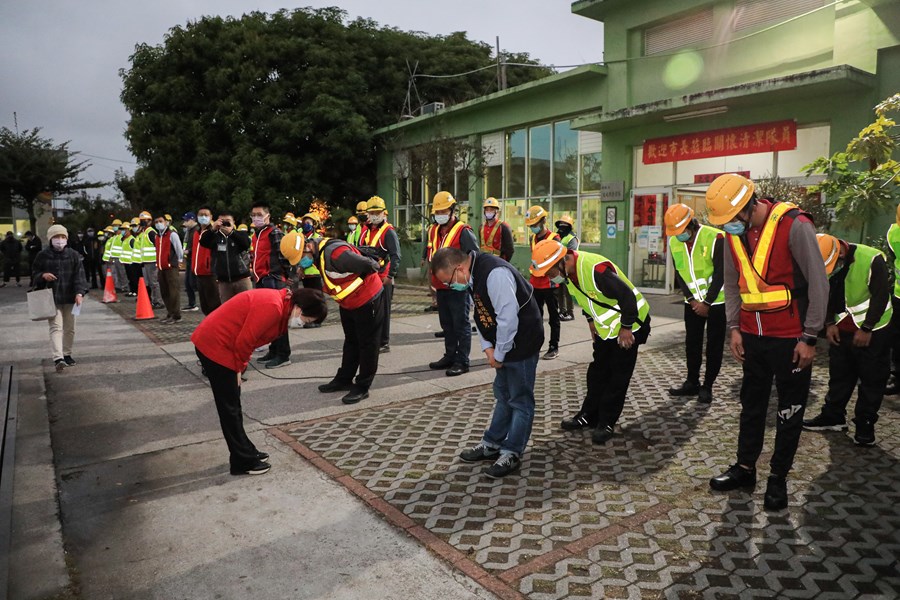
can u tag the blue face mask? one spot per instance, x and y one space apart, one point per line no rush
558 280
536 229
459 287
735 227
306 262
683 236
307 228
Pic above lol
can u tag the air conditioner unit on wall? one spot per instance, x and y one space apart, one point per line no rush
432 107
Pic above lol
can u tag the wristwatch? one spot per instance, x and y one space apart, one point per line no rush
809 340
865 328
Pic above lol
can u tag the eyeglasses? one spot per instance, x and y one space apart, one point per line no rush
452 277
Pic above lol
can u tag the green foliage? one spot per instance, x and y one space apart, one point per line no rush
31 165
861 183
95 212
282 107
785 190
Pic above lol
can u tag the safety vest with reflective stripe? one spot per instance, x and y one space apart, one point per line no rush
856 288
115 249
434 245
489 237
374 239
148 248
607 321
568 238
756 294
107 249
696 267
312 270
127 250
354 236
893 240
338 291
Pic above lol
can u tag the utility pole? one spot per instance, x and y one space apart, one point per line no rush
501 69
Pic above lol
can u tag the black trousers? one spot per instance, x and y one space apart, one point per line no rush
453 312
388 296
766 358
134 272
362 340
548 297
190 288
281 347
564 300
11 269
208 291
92 270
608 377
895 335
848 365
227 394
715 343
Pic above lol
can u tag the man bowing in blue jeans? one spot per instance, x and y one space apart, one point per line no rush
509 324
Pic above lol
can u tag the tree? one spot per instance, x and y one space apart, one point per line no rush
96 212
862 181
282 107
785 190
34 168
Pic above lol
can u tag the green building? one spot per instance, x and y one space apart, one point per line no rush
689 89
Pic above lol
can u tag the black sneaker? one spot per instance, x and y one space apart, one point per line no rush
60 365
262 456
258 469
776 497
265 357
566 317
824 422
579 421
444 363
505 465
551 354
278 361
602 434
70 362
456 369
190 309
335 386
705 395
479 453
687 388
736 477
384 349
355 396
865 432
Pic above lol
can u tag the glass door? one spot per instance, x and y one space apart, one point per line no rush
648 264
695 197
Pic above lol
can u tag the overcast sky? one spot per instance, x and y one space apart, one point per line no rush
61 58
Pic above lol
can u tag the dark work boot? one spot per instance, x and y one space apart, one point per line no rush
736 477
776 497
688 388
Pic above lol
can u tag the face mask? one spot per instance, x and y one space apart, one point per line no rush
376 219
160 227
558 280
536 229
352 227
459 287
90 234
136 228
735 228
203 220
307 228
306 262
441 219
59 242
683 236
258 221
79 235
490 215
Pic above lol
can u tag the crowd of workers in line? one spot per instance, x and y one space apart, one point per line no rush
767 283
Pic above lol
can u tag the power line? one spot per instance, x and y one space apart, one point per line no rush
127 162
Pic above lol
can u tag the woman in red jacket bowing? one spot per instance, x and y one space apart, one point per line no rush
225 340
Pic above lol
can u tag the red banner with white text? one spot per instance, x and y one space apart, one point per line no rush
749 139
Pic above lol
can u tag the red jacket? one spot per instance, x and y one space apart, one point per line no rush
201 258
249 320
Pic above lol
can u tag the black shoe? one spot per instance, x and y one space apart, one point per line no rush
155 304
776 497
687 389
262 456
736 477
865 432
190 309
825 423
602 434
335 386
354 397
566 317
479 453
278 361
579 421
70 362
457 369
705 395
444 363
384 349
438 334
60 365
265 357
258 469
505 465
551 354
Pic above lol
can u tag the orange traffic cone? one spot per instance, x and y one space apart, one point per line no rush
109 289
144 310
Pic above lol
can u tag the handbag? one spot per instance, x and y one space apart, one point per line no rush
41 306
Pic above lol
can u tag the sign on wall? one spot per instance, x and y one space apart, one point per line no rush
612 191
749 139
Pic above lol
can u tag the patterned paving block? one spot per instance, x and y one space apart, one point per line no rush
635 518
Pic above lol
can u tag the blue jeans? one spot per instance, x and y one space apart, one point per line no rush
514 411
453 312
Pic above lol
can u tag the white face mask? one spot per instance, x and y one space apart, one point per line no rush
59 242
441 219
160 227
490 215
376 219
203 220
352 227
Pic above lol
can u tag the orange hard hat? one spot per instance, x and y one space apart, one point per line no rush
677 218
353 221
545 254
830 249
726 196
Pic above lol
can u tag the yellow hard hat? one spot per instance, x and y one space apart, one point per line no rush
312 217
361 206
136 221
110 229
375 203
491 202
117 222
830 249
534 214
677 218
293 245
242 227
353 221
442 201
168 217
145 215
726 196
545 254
290 219
565 219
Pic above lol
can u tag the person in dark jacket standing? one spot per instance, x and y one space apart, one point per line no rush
269 270
168 256
509 324
11 248
61 269
224 342
228 247
33 245
93 250
190 227
199 263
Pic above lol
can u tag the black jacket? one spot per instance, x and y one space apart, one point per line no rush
227 254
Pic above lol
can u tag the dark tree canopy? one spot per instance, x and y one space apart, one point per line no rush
282 107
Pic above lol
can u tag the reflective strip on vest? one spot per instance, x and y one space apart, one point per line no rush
448 239
857 297
375 241
756 294
487 244
127 251
339 293
697 271
607 321
312 270
115 250
149 248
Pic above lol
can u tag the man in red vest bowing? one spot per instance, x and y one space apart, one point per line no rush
453 301
776 293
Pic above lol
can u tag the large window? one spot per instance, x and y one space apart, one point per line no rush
516 143
539 161
565 159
